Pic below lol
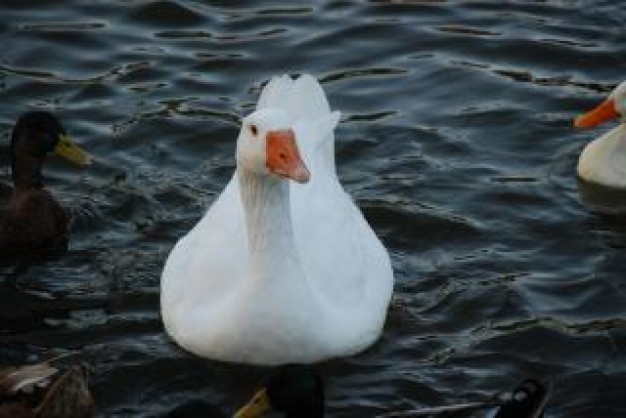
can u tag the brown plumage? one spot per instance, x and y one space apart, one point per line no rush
43 391
33 223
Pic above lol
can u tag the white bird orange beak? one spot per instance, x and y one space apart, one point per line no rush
283 157
605 111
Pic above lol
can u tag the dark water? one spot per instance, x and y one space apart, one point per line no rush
456 141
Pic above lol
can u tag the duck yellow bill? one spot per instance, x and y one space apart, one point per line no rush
67 149
605 111
257 406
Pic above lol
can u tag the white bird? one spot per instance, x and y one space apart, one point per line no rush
603 161
279 271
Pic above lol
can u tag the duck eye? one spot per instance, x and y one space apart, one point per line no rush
254 130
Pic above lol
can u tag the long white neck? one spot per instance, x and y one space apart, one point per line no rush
603 161
621 129
616 137
618 147
271 241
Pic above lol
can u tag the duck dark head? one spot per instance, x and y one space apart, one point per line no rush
295 390
35 135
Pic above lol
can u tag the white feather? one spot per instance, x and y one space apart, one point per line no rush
603 161
324 284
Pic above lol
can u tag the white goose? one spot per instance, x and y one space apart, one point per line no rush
278 272
603 161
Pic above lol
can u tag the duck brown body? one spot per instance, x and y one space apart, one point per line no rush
43 391
33 222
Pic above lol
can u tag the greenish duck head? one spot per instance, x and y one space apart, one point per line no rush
295 390
35 135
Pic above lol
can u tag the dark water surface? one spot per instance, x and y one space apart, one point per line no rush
456 141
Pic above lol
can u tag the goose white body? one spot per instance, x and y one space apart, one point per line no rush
279 272
603 161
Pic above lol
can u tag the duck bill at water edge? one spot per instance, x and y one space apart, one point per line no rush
256 407
602 113
67 149
283 157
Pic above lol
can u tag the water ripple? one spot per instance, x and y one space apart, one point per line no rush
455 140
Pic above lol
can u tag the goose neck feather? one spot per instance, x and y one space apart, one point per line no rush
603 161
271 239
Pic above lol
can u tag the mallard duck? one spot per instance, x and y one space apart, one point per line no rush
283 267
43 391
295 390
33 222
603 161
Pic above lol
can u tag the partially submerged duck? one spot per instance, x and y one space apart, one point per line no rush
43 391
295 390
603 161
292 391
298 392
33 222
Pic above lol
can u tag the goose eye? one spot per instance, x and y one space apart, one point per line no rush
254 130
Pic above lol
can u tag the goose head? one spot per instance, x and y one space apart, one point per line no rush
613 107
267 146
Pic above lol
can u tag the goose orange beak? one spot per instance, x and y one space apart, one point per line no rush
283 157
605 111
